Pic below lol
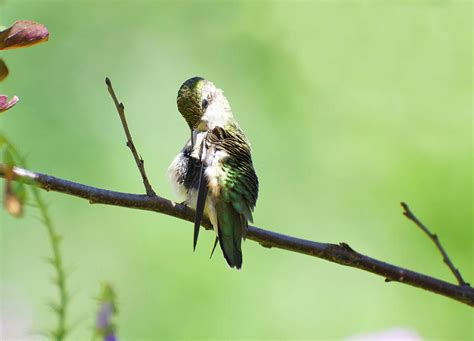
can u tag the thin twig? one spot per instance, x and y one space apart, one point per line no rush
409 214
341 254
138 159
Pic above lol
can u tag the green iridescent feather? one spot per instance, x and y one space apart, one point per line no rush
239 190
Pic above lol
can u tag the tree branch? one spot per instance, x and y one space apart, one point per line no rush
138 159
409 214
342 254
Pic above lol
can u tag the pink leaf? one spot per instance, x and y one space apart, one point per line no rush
23 33
5 104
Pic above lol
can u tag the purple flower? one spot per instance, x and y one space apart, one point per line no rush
110 337
104 316
105 327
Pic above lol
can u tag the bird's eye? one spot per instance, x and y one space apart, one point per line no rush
205 104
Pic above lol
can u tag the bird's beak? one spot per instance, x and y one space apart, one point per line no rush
194 134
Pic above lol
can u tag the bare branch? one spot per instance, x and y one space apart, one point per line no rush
409 214
341 254
138 159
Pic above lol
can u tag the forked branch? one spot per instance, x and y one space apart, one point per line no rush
337 253
409 214
340 253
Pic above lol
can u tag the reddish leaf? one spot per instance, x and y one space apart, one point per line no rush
3 70
23 33
12 202
13 205
5 104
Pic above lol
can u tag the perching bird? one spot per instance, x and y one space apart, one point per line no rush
214 170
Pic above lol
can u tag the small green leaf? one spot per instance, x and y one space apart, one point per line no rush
8 157
3 140
20 191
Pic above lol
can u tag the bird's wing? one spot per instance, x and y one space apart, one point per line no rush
240 183
236 184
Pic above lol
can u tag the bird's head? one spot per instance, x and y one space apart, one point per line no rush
202 105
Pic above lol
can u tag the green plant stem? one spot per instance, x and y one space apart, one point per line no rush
59 333
57 263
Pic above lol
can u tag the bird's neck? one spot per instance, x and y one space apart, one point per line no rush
218 115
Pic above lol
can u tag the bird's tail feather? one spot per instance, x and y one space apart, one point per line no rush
230 229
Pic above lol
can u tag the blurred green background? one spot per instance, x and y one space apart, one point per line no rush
351 107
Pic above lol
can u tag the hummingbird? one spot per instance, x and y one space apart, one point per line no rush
214 171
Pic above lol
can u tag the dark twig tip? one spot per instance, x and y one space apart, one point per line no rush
406 210
107 81
434 238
